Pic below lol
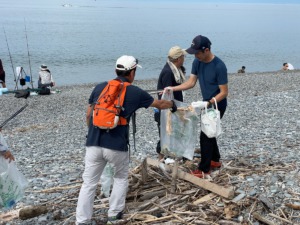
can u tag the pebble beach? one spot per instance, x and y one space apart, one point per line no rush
261 128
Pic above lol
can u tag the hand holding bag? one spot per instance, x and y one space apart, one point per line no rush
211 121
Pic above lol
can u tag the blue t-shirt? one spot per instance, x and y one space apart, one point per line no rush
210 76
117 138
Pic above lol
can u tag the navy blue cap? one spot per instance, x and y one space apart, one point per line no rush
199 43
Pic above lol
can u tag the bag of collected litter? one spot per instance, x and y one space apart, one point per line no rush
211 121
106 179
178 130
12 183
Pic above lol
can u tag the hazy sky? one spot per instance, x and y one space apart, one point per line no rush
241 1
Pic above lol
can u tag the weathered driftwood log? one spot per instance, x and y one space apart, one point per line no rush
143 217
153 194
222 191
262 219
200 222
293 206
32 211
156 219
227 222
280 218
146 204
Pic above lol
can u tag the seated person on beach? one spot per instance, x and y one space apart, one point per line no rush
242 70
2 75
285 66
45 77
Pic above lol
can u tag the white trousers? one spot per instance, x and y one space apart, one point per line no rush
95 161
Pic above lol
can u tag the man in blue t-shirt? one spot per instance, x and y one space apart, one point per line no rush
211 73
111 146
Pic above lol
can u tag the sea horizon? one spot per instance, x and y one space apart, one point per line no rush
81 40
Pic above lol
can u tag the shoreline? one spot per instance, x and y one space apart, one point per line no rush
261 127
155 79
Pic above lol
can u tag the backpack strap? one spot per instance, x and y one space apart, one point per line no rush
122 121
134 129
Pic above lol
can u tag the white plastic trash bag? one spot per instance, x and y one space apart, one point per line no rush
178 130
106 179
211 122
12 183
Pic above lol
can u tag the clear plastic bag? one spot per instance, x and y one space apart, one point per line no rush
106 179
178 130
12 183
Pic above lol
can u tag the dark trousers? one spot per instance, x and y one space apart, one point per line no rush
209 149
157 120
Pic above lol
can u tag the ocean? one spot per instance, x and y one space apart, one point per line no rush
80 40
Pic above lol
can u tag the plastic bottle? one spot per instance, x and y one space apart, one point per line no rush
9 204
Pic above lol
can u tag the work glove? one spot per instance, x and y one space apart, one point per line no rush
174 107
199 104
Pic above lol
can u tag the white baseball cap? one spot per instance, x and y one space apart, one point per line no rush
127 62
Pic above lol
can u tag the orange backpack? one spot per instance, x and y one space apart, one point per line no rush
107 109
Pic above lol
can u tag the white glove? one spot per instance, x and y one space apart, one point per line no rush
199 104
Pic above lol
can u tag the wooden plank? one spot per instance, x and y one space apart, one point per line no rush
205 198
217 189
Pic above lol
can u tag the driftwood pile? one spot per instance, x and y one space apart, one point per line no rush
168 194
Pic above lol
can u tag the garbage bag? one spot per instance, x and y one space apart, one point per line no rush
178 130
12 183
106 179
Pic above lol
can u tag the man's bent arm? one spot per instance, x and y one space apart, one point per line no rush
162 104
223 93
190 83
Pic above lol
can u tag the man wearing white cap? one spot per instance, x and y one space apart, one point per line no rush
173 74
111 146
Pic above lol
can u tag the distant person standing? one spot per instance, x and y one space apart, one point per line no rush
2 75
45 77
173 74
290 66
242 70
211 72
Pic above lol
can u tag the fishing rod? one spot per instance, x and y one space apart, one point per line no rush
28 55
16 87
13 116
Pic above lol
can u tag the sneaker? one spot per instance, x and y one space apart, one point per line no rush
113 219
200 174
215 165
